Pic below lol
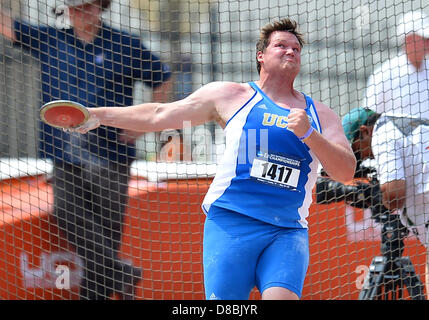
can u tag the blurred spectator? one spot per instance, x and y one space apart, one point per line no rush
400 86
91 63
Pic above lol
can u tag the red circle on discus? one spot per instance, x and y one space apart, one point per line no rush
64 116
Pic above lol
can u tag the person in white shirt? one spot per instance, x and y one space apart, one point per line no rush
400 86
400 149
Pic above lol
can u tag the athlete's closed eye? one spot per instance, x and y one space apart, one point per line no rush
295 48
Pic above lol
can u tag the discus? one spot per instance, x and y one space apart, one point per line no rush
64 114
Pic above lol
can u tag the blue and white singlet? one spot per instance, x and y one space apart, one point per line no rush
266 173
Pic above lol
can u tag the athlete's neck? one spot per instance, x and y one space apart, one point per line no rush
279 92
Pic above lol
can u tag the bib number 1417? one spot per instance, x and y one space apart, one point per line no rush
275 173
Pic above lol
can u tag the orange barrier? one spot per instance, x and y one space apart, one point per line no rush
163 235
30 248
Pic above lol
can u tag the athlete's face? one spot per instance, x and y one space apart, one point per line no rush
282 53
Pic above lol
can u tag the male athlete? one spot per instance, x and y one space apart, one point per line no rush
256 229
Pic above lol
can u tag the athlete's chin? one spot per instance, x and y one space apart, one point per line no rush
291 63
291 69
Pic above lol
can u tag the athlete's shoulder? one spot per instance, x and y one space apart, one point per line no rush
227 97
321 107
327 116
225 91
229 87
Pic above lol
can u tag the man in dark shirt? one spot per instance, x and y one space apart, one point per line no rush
96 65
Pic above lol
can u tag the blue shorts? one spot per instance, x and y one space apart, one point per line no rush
241 252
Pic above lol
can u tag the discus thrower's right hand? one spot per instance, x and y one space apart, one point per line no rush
92 123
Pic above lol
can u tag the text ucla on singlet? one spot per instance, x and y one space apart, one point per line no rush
266 173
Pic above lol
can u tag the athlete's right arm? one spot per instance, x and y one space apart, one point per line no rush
197 108
6 26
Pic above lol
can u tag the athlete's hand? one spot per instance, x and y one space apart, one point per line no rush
298 122
92 123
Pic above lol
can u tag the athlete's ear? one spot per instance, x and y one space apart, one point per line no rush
259 56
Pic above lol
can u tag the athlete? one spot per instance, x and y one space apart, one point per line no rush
256 228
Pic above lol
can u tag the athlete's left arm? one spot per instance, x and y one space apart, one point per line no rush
332 147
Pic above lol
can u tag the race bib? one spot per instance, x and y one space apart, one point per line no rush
276 170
